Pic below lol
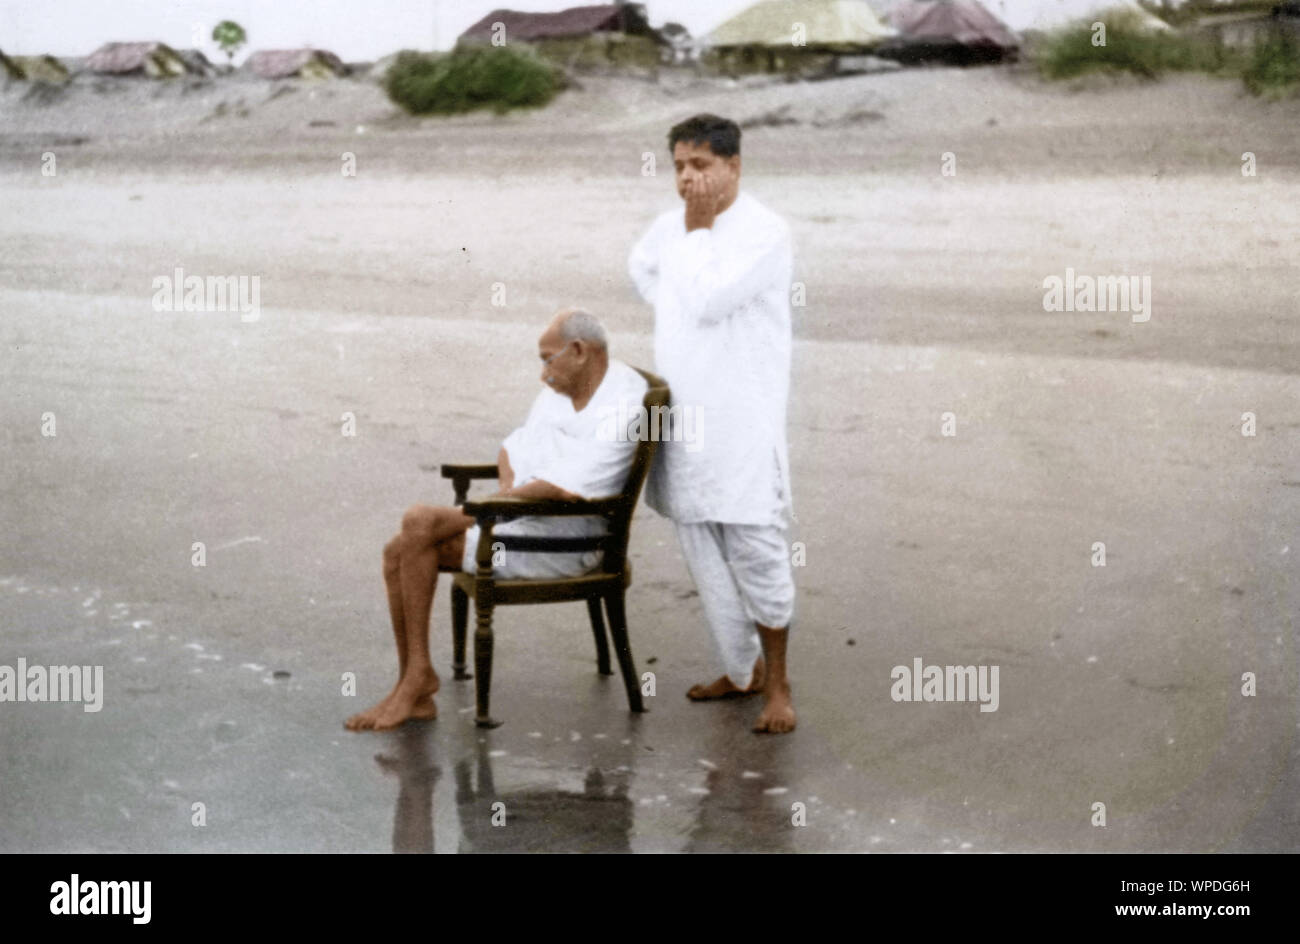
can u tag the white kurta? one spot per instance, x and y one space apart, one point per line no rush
722 341
574 450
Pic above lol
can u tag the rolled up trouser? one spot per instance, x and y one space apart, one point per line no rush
743 576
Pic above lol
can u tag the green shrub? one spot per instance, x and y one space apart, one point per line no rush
1070 52
470 77
1274 69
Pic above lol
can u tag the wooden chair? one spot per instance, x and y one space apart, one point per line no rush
608 583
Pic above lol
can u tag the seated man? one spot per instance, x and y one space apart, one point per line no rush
563 451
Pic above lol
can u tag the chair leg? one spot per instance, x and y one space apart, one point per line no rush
598 630
622 649
483 666
459 622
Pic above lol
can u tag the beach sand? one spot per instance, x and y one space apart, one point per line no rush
1120 685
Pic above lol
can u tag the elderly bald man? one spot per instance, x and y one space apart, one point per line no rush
563 451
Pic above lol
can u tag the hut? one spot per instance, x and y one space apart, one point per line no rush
599 35
42 68
295 64
1246 28
155 60
795 36
959 32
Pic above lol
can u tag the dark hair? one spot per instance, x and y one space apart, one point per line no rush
720 134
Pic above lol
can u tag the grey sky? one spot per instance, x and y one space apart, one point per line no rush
355 29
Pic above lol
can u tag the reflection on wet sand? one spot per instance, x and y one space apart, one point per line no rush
628 801
416 775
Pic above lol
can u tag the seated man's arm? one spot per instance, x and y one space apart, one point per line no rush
533 489
505 474
538 489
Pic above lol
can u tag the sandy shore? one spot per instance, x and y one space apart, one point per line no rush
1118 684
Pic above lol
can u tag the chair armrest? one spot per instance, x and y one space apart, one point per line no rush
516 507
461 475
478 471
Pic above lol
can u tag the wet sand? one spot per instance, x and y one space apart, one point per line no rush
1118 685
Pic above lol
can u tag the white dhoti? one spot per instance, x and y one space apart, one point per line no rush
744 577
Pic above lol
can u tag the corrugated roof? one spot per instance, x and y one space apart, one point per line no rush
128 58
575 21
826 23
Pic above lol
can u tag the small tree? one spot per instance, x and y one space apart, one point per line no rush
229 35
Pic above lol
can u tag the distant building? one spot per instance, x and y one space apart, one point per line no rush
608 34
155 60
959 32
295 64
1243 29
803 36
626 18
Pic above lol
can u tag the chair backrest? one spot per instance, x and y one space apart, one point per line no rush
620 522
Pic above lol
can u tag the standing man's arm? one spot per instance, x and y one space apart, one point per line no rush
643 265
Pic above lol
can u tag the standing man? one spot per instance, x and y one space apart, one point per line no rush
718 276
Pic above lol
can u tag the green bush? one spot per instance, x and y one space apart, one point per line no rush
470 77
1070 52
1274 69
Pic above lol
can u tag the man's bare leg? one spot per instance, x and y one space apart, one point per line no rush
393 586
723 687
777 716
431 539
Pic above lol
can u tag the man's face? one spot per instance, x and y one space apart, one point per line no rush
695 161
561 361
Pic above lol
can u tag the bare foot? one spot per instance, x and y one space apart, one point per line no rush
723 687
410 699
778 713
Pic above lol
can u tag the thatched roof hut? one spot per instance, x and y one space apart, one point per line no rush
295 64
840 25
156 60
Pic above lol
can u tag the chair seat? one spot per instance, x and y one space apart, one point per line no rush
548 590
